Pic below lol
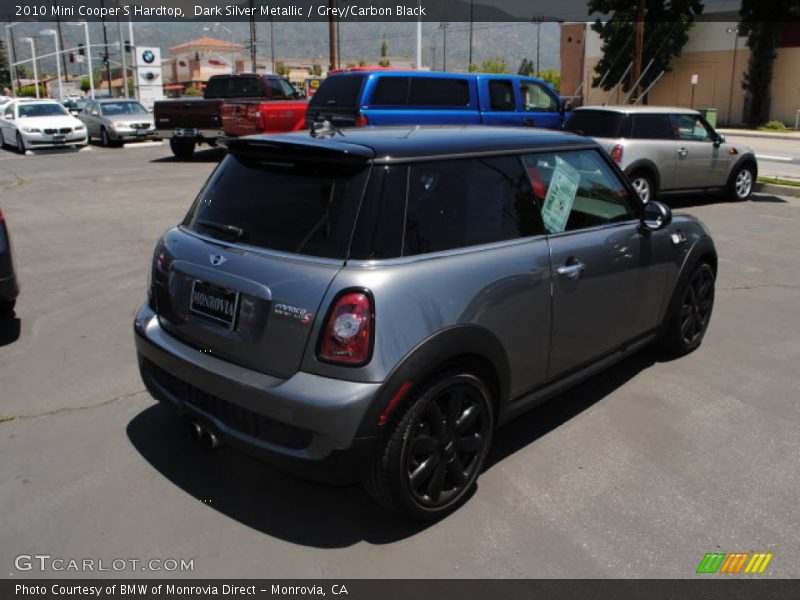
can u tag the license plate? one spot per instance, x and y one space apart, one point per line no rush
141 132
58 138
214 303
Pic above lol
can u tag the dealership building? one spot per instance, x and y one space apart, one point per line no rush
715 58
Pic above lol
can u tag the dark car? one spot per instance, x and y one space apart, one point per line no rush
371 304
8 280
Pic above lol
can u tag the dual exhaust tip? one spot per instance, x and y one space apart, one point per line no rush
203 435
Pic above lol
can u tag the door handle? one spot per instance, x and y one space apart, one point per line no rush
683 152
572 270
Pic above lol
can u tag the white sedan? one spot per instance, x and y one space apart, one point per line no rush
28 124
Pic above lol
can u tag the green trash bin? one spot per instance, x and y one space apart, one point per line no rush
710 115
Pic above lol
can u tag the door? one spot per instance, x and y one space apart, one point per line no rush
539 107
498 102
701 163
7 125
607 276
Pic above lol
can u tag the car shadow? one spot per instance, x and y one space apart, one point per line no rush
756 197
548 416
276 504
10 327
258 495
206 155
678 203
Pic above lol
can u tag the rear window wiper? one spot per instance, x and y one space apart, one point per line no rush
236 232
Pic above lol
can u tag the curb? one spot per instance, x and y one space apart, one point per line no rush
777 190
760 134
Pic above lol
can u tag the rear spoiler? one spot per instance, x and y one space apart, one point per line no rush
299 149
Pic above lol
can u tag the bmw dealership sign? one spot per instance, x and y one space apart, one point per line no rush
149 76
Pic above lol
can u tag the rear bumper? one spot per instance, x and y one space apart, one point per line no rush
195 135
306 424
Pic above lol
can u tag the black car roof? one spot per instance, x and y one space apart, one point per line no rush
408 142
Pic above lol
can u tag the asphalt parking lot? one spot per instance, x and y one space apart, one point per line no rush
636 473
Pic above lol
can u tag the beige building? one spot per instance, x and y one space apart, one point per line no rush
197 60
714 54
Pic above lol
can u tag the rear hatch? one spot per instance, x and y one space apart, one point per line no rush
243 277
604 126
337 100
190 113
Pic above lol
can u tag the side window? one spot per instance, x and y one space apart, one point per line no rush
390 91
651 127
288 88
460 203
690 128
501 95
438 91
247 87
577 189
275 88
379 229
9 112
535 98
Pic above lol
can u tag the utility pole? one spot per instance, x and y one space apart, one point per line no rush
253 64
471 14
538 21
331 36
272 42
443 27
123 59
61 45
433 57
105 48
638 44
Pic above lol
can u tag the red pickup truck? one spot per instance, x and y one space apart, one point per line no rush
246 117
188 122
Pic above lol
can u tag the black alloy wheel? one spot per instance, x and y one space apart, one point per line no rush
437 450
698 299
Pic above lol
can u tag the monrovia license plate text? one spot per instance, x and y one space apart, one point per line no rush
214 303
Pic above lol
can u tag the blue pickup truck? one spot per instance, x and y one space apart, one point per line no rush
361 96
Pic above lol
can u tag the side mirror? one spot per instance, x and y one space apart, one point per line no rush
655 216
720 139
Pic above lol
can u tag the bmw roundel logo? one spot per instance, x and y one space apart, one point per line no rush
148 56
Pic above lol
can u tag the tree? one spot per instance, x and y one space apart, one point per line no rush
384 61
527 68
281 68
666 31
551 76
495 65
316 70
5 71
762 23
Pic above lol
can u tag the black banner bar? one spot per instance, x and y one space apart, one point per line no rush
712 588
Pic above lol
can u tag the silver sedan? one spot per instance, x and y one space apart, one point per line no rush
115 121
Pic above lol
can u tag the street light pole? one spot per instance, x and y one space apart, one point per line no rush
538 21
443 27
35 70
85 26
54 33
735 32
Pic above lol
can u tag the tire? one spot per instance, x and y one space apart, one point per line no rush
21 144
432 457
104 139
181 149
7 306
644 185
741 183
691 311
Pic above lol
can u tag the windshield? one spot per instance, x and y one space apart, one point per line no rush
307 207
42 110
595 123
110 109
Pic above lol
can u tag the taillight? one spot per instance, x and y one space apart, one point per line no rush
616 154
361 120
348 330
261 121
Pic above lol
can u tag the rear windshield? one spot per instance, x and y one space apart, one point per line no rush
338 92
595 123
304 208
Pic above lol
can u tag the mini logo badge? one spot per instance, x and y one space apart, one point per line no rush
217 259
148 56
